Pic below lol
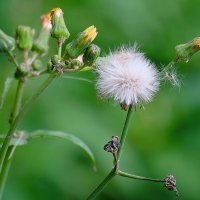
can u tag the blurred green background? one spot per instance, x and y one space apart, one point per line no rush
163 139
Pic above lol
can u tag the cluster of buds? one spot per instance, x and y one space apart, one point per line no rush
78 53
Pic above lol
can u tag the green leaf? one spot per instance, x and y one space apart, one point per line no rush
6 87
78 78
65 136
18 139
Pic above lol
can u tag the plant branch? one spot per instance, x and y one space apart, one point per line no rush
20 115
102 185
115 170
132 176
12 58
124 133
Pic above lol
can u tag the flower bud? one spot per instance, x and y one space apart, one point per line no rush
91 54
59 29
185 51
81 42
24 37
55 59
21 71
40 44
37 65
7 43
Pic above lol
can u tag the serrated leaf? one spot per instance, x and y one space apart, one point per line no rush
65 136
6 87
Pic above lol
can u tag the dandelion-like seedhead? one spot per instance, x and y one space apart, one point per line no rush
127 76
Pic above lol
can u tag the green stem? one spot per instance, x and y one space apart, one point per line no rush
13 59
102 185
114 171
124 174
18 100
60 43
4 171
17 105
124 132
16 108
20 115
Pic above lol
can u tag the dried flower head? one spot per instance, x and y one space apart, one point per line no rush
170 184
113 145
127 77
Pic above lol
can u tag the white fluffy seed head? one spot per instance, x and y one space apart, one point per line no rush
127 76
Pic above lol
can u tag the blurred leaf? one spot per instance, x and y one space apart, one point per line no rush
19 138
6 87
65 136
78 78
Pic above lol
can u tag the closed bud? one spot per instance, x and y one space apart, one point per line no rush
40 44
81 42
49 66
55 59
91 54
37 65
24 37
21 71
59 29
185 51
7 43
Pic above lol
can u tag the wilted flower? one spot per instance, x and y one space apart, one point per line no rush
127 77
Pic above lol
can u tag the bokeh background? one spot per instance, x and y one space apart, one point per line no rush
163 139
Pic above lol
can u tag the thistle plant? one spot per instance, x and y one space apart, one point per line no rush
125 75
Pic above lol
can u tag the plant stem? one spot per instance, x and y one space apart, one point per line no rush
4 171
14 113
124 174
124 133
20 115
102 185
18 100
114 171
60 43
13 59
16 108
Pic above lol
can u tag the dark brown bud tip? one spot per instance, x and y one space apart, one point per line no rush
170 184
113 145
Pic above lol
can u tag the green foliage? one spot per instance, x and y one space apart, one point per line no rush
163 138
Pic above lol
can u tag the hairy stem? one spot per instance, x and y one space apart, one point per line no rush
102 185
